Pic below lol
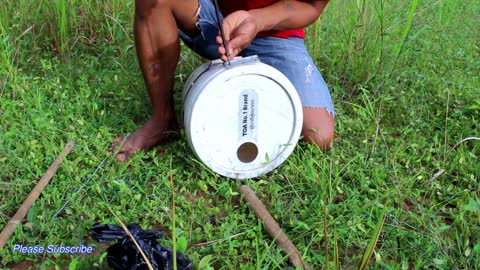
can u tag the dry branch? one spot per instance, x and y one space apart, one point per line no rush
273 228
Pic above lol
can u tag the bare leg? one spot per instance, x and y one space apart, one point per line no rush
318 127
158 49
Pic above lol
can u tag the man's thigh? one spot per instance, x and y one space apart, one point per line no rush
184 12
291 57
318 127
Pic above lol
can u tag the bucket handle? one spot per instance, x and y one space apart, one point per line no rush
237 61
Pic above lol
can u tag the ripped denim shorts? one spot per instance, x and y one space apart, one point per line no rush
290 56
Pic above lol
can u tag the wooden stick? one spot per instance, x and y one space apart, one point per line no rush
22 211
273 228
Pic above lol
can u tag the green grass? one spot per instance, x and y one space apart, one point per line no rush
405 78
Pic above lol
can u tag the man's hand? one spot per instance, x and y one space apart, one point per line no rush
240 29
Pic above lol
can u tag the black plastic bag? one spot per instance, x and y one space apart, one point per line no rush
124 255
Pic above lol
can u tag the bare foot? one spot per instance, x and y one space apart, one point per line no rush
152 133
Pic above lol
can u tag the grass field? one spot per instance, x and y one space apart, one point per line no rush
405 78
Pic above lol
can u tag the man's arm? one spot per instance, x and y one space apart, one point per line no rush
288 14
241 26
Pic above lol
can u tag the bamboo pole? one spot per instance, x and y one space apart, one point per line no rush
34 194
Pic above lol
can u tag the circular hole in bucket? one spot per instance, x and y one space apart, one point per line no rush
247 152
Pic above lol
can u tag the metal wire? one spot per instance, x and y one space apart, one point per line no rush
80 189
90 178
222 33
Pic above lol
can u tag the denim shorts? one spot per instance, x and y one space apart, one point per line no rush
289 56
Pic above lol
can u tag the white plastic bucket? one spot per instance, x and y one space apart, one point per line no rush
242 120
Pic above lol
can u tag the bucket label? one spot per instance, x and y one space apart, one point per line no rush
248 114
